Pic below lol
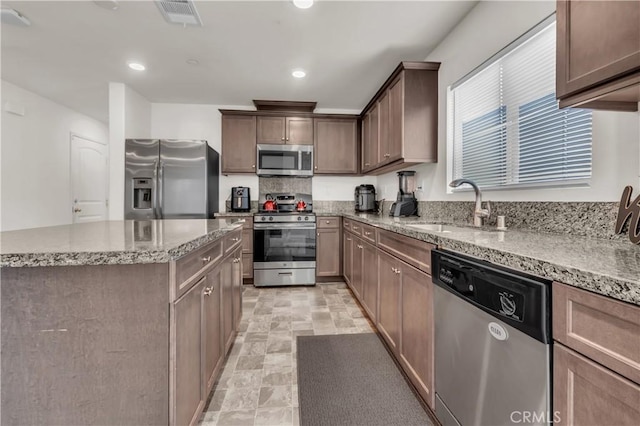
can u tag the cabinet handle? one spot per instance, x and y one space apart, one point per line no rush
206 259
367 164
253 166
235 239
348 239
287 139
208 291
236 260
355 228
327 222
346 225
316 167
282 138
367 233
318 234
360 247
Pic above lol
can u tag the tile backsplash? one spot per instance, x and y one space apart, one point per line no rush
269 185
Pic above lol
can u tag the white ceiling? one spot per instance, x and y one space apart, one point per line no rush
246 50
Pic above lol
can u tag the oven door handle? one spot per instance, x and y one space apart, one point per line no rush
288 226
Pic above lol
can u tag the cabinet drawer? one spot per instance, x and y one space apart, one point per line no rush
415 252
189 265
231 240
605 330
368 233
328 222
356 227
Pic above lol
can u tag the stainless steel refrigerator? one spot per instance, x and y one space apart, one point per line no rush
170 179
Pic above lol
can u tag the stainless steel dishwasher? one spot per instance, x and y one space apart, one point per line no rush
492 343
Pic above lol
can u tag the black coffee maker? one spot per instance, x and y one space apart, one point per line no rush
240 199
365 197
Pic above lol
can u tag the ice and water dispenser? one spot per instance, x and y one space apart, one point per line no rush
142 193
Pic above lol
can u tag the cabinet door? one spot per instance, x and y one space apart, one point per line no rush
211 328
584 56
383 128
335 146
396 115
585 393
237 287
416 335
226 285
356 267
370 280
389 305
238 144
347 245
370 145
188 343
299 131
247 265
328 252
270 130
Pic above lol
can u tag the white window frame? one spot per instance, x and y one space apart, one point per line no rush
512 130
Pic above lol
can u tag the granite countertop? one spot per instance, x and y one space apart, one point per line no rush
235 214
110 242
607 267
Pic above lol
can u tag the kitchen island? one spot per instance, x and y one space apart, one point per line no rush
121 322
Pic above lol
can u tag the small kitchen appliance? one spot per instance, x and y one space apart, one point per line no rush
406 203
240 199
365 197
284 160
284 241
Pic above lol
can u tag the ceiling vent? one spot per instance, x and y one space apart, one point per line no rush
179 12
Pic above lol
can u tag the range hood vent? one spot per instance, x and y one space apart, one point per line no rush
179 12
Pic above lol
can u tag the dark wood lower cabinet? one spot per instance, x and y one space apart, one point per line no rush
213 354
347 246
586 393
188 375
416 328
370 280
389 307
328 252
226 280
356 267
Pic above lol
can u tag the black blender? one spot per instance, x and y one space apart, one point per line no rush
406 203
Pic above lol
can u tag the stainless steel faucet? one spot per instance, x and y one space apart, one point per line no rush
479 214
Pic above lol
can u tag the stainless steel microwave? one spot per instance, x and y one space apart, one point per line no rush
285 160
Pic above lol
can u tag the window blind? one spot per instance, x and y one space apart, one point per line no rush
506 127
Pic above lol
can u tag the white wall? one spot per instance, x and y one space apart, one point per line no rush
189 121
36 185
129 117
489 27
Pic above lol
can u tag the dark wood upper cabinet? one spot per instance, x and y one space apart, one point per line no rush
285 130
404 114
271 130
238 144
335 146
370 139
598 54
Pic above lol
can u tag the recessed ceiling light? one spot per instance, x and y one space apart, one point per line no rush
136 66
298 73
193 61
303 4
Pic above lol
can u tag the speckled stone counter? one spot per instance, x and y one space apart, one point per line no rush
607 267
110 243
235 214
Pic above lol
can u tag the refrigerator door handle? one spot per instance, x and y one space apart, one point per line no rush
160 188
155 190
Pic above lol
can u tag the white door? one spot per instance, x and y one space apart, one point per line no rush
89 177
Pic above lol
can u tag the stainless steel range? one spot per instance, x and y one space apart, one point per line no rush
284 242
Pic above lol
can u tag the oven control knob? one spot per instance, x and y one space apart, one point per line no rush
263 218
299 218
270 217
306 218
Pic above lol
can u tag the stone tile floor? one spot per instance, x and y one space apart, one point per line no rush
258 384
